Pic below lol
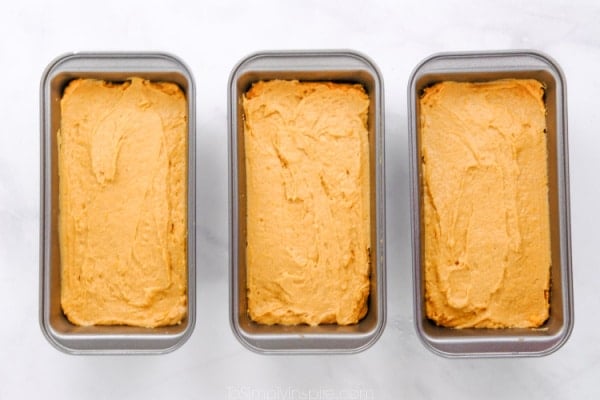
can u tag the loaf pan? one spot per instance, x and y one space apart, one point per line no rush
510 342
336 66
61 333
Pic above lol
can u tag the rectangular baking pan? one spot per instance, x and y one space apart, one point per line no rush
58 330
486 66
338 66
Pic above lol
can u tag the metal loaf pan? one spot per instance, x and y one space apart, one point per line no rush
486 66
338 66
58 330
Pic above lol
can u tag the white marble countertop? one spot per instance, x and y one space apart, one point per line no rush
211 37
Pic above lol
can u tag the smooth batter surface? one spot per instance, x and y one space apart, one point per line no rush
307 170
486 218
122 194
